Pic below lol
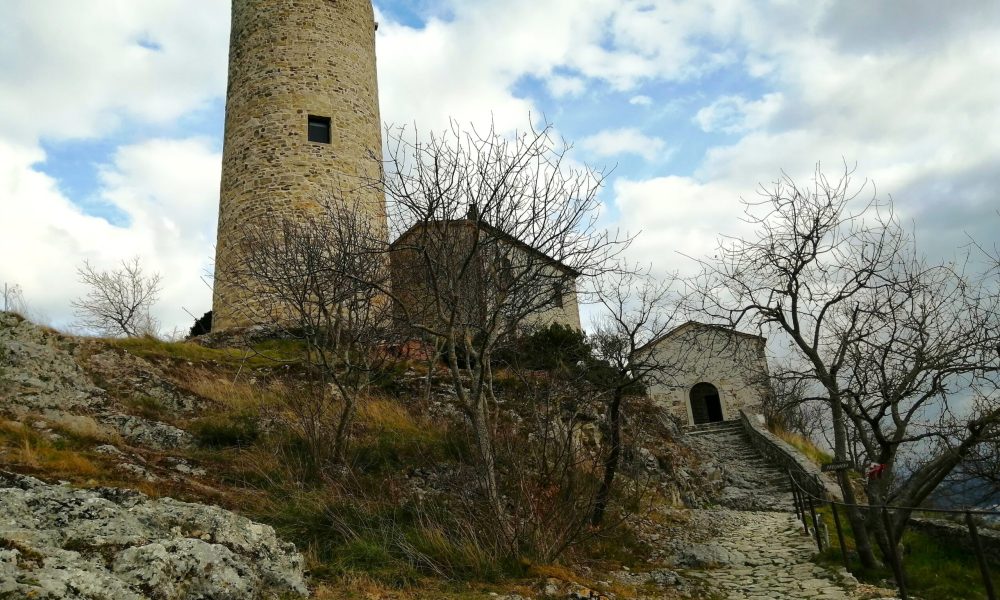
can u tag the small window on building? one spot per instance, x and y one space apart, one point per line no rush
319 129
557 294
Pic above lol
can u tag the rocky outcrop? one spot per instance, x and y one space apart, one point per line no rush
42 378
112 544
126 375
38 372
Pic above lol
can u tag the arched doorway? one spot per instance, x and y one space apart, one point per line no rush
706 407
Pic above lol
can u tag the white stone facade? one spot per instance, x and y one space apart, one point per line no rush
699 362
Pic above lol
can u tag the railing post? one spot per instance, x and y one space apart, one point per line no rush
840 535
795 495
977 546
802 503
897 567
812 510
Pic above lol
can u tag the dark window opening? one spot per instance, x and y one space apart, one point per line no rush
557 294
319 129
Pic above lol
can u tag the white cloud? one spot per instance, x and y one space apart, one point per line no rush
561 87
679 217
735 114
467 67
915 112
640 100
72 69
167 189
614 142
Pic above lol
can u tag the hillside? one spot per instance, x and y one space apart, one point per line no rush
210 426
134 469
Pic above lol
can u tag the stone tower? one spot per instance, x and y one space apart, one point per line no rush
302 125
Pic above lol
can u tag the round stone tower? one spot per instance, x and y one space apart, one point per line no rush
302 126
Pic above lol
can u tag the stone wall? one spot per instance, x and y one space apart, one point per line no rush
452 241
958 534
290 59
694 353
781 453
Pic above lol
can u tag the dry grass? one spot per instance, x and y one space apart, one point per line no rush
85 429
53 461
358 586
805 446
238 395
27 448
381 414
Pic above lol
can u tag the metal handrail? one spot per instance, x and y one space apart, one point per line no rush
962 511
804 499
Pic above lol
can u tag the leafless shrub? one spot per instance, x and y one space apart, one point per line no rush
492 232
638 310
13 299
319 280
118 302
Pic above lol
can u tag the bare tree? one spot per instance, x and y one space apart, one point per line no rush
13 298
889 341
638 309
319 279
492 232
118 302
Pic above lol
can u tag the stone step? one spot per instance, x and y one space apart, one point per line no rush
717 433
718 425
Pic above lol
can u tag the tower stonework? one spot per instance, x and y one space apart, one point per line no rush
302 126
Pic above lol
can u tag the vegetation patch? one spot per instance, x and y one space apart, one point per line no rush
264 355
804 445
936 568
32 451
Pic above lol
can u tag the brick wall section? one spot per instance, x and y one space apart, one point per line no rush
783 454
290 59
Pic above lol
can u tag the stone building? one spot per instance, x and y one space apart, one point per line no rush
302 127
552 293
708 373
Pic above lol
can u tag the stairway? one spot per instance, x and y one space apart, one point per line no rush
750 481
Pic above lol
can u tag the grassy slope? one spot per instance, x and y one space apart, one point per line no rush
361 538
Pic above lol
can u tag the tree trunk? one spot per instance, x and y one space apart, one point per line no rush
475 403
486 456
612 458
343 428
861 538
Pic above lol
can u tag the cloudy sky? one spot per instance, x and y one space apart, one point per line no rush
111 116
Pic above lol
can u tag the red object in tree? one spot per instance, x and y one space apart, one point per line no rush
875 471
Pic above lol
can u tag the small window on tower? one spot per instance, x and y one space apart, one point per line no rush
319 129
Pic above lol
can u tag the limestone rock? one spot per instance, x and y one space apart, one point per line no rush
38 370
149 434
110 544
127 375
42 377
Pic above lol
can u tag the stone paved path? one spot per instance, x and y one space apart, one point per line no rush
763 555
751 482
751 547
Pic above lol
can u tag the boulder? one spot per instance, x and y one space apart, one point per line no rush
108 544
